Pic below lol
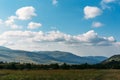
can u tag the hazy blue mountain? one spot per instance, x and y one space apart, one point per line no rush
45 57
4 48
71 58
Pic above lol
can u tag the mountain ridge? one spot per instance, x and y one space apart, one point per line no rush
114 58
45 57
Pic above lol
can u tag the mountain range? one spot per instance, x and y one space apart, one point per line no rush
46 57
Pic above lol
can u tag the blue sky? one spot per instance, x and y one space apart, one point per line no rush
66 25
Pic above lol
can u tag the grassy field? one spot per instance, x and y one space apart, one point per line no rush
60 75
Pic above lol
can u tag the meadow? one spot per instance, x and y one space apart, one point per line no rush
87 74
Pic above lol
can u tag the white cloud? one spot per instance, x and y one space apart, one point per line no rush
88 38
92 38
34 25
97 24
91 12
104 3
26 13
111 39
1 21
54 2
10 22
3 42
15 26
89 43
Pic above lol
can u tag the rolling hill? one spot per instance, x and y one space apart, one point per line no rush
46 57
114 58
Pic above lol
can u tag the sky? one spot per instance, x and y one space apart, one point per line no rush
82 27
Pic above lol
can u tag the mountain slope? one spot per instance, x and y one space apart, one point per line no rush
114 58
71 58
45 57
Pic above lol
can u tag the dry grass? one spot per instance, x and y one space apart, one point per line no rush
60 75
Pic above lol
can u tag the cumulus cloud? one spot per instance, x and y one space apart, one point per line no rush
52 36
91 12
104 3
54 2
92 38
25 13
10 22
88 38
89 43
97 24
34 25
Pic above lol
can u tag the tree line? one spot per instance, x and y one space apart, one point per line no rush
30 66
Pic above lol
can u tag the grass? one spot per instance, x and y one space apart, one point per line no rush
60 75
